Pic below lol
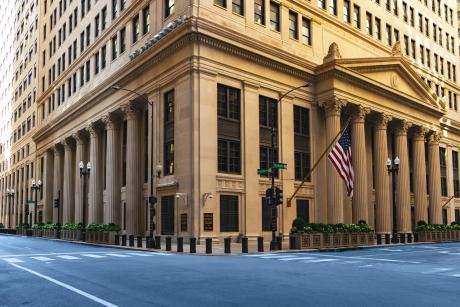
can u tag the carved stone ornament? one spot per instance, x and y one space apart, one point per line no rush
402 127
111 121
381 120
334 105
333 53
396 49
93 128
69 144
420 132
80 137
434 138
359 113
129 111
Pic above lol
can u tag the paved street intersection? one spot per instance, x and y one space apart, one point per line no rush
65 274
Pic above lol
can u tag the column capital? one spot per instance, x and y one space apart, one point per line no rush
130 111
359 113
419 133
69 144
381 120
333 105
94 128
80 137
402 126
111 121
58 146
434 138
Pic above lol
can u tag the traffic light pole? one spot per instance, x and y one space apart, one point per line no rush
273 243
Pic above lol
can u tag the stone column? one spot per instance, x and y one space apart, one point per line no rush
334 182
419 175
382 184
403 181
133 171
434 176
80 155
68 204
48 187
113 175
57 182
358 151
95 205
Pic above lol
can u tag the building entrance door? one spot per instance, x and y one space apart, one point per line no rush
167 215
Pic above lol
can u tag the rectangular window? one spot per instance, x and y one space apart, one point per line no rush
443 165
167 215
268 117
388 5
404 8
122 40
168 155
104 18
96 63
395 7
369 29
427 27
228 119
114 48
303 209
420 23
259 12
114 9
238 7
222 3
145 20
356 16
306 31
169 7
428 58
333 7
322 4
88 71
88 35
422 54
413 49
388 34
96 26
266 215
396 35
103 56
135 28
229 213
274 16
346 11
412 18
82 76
293 31
302 150
378 32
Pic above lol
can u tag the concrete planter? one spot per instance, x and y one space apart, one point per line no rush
37 232
327 240
71 235
437 236
102 237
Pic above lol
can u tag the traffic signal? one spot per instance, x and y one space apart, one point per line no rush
152 200
278 196
56 202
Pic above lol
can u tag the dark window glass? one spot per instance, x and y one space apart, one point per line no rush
229 213
266 215
169 133
303 209
259 11
442 162
167 215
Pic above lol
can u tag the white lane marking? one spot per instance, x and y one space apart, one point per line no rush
42 258
366 266
276 257
118 255
12 260
443 252
437 270
455 254
319 260
54 254
93 256
392 250
140 254
455 275
69 287
260 255
352 261
68 257
368 258
296 258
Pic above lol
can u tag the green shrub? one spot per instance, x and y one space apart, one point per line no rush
300 227
436 227
103 227
51 226
38 226
72 226
2 226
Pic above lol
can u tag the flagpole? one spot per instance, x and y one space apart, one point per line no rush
317 162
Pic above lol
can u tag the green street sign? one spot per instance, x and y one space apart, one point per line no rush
279 165
264 171
31 202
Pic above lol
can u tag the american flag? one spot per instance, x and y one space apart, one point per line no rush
340 156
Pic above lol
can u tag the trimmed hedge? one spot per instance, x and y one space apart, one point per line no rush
103 227
299 226
436 227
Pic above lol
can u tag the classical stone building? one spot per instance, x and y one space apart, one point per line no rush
207 74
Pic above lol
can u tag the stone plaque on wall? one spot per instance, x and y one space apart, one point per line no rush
208 222
183 222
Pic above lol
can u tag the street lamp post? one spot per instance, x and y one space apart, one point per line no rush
271 199
393 168
10 195
152 197
36 186
84 173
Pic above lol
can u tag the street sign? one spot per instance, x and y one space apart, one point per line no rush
264 171
280 165
31 201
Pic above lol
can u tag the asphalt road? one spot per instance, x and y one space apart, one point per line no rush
38 272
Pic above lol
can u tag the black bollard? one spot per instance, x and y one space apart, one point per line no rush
168 244
139 241
147 242
415 237
131 240
192 245
157 242
260 244
123 240
279 240
244 245
208 246
117 240
379 239
402 238
387 238
227 249
180 244
409 238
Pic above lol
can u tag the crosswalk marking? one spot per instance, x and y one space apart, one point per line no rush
140 254
118 255
276 257
296 258
455 275
42 258
93 256
319 260
68 257
12 260
437 270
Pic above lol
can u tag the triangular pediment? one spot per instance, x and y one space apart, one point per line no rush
395 75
